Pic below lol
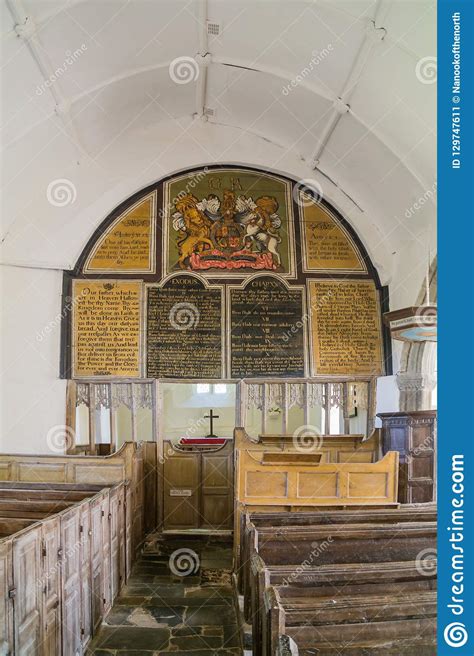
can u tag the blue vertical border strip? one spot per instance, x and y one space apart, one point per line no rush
456 327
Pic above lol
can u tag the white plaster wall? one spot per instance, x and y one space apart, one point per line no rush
387 396
33 398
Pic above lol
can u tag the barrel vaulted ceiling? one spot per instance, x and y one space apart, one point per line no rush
102 97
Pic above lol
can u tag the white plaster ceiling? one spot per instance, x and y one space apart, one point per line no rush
361 122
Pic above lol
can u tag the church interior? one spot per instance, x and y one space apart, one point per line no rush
219 324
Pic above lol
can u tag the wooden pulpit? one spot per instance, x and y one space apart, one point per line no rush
413 435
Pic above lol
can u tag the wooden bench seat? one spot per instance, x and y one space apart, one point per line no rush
251 521
332 581
363 621
348 543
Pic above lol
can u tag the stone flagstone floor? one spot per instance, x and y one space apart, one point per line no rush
162 613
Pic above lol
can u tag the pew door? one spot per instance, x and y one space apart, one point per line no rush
86 583
128 530
96 560
106 582
27 573
51 586
71 602
6 603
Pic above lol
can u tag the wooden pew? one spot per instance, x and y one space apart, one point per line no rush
331 581
279 476
127 464
64 571
363 624
251 521
339 543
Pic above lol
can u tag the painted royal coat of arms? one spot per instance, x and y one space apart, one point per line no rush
229 222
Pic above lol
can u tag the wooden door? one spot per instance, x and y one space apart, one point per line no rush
198 488
85 565
71 588
27 601
6 600
217 490
181 473
51 586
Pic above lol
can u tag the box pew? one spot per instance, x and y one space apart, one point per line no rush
9 525
301 584
251 521
59 575
276 474
301 546
400 624
127 464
